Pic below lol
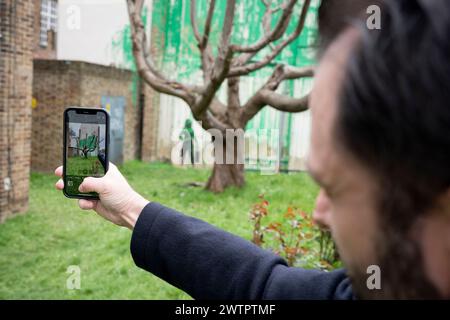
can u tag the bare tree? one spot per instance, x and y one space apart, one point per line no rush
88 146
231 62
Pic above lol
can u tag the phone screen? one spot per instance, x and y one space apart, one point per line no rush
85 148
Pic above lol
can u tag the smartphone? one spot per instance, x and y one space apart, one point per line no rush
86 141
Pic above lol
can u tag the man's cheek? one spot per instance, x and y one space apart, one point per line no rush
342 233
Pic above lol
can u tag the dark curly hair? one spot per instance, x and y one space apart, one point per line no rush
394 117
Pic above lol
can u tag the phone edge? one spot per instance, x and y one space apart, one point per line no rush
65 147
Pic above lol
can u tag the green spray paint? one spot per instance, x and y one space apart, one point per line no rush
122 46
179 55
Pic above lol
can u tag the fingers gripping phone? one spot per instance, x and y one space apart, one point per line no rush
86 141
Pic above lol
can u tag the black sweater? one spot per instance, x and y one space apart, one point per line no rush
209 263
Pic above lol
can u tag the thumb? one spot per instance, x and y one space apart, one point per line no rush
91 184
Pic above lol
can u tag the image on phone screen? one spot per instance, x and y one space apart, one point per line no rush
85 149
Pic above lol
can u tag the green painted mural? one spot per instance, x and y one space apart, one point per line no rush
180 51
122 49
181 59
178 55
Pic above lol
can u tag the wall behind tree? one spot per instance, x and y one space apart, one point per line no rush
60 84
180 59
16 74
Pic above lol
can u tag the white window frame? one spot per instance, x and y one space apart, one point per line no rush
49 20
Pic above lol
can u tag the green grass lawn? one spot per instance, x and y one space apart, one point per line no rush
36 248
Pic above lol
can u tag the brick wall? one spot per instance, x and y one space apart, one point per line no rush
16 72
56 85
97 81
60 84
35 137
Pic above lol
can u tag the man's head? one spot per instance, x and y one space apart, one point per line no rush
381 149
334 16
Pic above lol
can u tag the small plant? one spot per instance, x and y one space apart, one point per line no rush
328 251
294 237
259 210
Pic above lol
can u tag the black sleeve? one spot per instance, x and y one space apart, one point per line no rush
209 263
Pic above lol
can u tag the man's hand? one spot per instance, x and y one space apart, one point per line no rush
118 203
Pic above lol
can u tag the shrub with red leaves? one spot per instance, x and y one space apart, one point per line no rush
294 237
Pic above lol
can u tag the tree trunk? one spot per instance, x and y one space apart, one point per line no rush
230 63
226 175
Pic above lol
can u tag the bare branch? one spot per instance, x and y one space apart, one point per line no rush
146 68
218 109
233 93
266 95
149 60
221 65
219 73
194 21
209 121
207 29
202 99
267 18
285 103
216 123
227 28
246 69
291 72
202 40
273 35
